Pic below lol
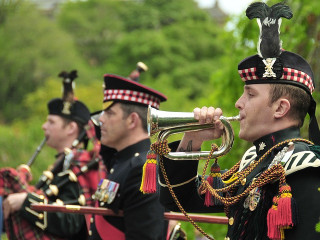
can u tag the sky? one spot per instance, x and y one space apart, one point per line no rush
228 6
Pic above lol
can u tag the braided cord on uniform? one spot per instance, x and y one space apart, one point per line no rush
161 148
276 172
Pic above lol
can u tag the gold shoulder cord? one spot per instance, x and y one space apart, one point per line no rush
276 172
164 146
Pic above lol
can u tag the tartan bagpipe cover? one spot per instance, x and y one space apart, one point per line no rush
16 181
13 181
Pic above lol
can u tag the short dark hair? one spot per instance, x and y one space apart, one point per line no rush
299 100
66 121
141 110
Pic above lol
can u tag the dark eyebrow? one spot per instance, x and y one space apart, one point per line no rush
108 110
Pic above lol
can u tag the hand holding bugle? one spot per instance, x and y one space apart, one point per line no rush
108 212
166 123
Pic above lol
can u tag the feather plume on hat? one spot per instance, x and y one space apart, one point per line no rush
67 106
269 21
68 85
272 64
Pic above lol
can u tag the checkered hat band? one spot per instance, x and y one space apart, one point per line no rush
288 74
131 96
298 76
248 74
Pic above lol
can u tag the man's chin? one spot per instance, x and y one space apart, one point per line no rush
104 141
242 135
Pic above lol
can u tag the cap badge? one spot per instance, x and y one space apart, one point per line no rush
66 108
269 67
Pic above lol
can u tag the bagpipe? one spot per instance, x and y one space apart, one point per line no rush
83 166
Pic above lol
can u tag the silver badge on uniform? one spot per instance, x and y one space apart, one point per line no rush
252 199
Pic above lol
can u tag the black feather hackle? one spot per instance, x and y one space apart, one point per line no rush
269 21
67 83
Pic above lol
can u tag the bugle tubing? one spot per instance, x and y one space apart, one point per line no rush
167 123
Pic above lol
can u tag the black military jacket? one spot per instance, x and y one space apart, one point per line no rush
302 174
60 225
143 213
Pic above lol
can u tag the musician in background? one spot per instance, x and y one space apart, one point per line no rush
63 129
124 133
273 192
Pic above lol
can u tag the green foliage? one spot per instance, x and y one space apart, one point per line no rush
32 49
20 142
318 227
178 41
216 232
90 93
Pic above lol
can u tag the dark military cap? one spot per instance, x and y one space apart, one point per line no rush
76 111
287 68
274 65
67 107
121 89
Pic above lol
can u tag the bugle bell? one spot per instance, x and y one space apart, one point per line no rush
167 123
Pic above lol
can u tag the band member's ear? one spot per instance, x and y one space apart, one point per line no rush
282 108
72 127
133 120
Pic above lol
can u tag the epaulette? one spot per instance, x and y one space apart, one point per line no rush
301 160
248 157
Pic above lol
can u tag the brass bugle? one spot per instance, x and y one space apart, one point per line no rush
167 123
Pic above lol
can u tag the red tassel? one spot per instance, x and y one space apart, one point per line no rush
149 175
208 200
214 179
274 231
286 208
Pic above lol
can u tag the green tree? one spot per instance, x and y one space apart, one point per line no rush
32 49
179 42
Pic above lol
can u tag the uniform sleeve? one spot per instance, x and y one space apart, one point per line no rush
57 223
143 213
305 190
183 176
